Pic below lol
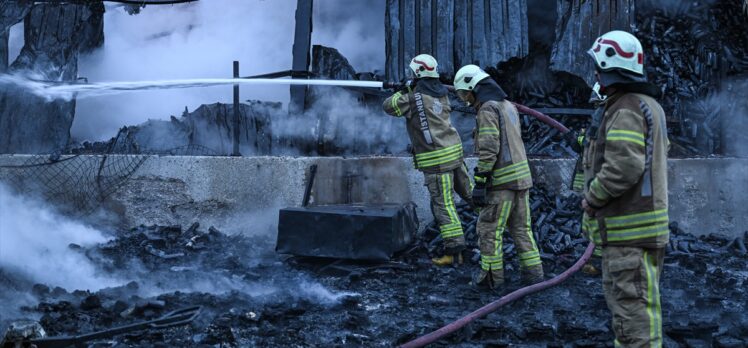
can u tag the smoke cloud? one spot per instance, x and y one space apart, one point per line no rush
200 40
34 242
355 28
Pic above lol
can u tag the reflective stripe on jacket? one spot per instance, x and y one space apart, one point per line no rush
626 174
436 144
499 146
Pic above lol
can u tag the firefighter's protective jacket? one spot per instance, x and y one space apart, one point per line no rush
626 174
436 144
499 146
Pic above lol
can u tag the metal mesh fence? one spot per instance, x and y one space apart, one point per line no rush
79 183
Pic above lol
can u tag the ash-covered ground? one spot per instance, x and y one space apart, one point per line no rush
253 297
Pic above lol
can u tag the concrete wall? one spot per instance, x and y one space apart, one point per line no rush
241 194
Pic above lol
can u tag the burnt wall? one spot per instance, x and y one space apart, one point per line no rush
579 23
3 51
54 35
455 32
11 12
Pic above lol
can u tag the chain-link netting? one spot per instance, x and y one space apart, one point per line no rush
77 184
80 182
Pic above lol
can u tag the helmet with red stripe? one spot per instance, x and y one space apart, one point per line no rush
618 50
424 65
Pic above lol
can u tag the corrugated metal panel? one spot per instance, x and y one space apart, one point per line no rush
456 32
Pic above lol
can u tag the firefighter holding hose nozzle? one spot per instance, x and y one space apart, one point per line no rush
437 150
502 179
625 192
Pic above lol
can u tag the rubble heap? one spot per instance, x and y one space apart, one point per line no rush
252 297
206 131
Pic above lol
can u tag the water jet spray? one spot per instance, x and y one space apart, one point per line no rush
56 90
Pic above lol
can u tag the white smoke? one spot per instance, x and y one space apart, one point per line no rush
200 40
34 242
35 246
194 40
355 28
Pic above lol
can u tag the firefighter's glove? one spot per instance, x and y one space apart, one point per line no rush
574 140
479 190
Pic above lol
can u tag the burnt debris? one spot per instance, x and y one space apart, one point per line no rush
257 298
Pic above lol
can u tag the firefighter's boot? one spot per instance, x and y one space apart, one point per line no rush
489 280
448 260
533 275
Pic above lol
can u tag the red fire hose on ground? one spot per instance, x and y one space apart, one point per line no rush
493 306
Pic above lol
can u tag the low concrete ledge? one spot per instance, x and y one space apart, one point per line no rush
241 193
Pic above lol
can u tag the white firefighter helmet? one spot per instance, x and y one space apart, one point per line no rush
618 50
424 65
468 76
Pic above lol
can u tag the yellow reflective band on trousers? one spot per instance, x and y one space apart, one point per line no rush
637 226
654 309
496 261
529 258
625 135
511 173
395 98
441 156
454 228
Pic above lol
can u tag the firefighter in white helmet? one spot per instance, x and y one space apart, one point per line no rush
437 150
625 189
592 267
502 179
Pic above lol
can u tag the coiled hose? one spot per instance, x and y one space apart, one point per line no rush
493 306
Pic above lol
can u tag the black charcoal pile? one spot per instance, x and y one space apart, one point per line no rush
692 48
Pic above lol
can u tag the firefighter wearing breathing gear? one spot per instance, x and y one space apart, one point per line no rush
593 266
437 150
597 100
625 197
502 179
